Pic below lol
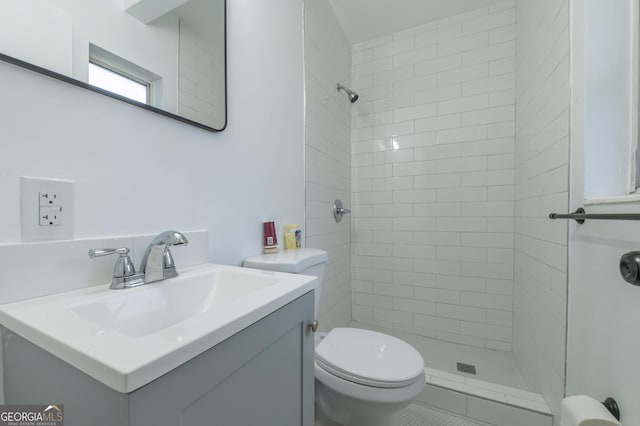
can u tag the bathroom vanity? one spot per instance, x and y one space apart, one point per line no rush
259 374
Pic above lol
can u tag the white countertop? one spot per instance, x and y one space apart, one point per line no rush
133 352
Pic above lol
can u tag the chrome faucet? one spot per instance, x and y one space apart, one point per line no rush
124 273
157 263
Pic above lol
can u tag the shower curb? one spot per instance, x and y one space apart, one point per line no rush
484 401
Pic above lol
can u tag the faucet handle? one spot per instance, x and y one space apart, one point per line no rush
124 273
105 252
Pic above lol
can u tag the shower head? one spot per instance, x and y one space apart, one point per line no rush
353 96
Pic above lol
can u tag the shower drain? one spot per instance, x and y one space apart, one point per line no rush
466 368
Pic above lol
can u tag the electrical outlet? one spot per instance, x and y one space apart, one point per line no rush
46 209
49 199
51 216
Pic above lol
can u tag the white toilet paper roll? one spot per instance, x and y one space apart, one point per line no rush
582 410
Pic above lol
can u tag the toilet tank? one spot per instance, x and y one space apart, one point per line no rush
305 261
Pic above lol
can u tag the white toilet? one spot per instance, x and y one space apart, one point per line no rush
363 378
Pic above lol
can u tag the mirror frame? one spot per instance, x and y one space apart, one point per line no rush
84 85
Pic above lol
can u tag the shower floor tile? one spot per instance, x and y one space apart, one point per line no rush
491 366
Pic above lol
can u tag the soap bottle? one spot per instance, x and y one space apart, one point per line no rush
292 237
270 239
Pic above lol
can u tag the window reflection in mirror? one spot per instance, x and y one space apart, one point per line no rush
175 47
119 83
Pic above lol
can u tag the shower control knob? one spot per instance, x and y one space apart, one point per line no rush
339 211
630 267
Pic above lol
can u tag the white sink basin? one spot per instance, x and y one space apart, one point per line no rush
137 314
127 338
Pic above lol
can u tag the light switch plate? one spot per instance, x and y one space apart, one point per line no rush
40 197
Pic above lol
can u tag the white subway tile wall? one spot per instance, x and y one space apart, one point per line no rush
433 181
328 155
542 152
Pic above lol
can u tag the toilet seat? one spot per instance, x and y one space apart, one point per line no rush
369 358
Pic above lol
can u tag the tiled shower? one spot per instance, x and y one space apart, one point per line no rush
458 144
433 179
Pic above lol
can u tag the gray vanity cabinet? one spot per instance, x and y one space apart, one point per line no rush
263 375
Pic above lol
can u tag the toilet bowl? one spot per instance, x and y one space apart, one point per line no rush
362 377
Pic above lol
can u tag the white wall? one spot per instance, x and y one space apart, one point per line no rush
433 178
327 155
542 149
602 344
138 172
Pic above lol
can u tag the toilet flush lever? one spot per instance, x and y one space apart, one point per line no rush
314 325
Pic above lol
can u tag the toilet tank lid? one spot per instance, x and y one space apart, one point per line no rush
292 261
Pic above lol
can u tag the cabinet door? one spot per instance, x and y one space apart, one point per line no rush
34 376
260 376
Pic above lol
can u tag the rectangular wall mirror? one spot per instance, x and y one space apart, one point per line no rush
165 56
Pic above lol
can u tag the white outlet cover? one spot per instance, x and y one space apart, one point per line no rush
30 190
